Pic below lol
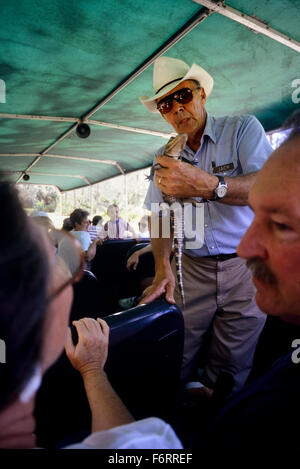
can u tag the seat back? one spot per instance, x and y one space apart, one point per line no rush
146 264
145 358
109 266
86 297
144 363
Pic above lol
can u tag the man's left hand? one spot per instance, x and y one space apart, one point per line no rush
182 180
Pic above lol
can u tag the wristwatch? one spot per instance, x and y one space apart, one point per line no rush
221 189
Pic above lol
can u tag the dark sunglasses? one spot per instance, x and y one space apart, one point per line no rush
183 96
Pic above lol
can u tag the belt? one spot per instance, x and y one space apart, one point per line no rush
221 257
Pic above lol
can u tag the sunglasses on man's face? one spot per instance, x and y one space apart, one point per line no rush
183 96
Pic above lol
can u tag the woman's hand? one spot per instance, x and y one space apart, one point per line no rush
91 351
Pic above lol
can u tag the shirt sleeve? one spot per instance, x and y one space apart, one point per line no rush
153 198
150 433
154 195
253 145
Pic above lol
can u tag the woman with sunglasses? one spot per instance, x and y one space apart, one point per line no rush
217 168
35 298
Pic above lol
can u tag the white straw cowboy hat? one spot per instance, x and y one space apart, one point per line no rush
168 73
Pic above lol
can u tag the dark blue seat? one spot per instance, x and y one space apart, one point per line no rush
115 281
145 356
146 265
86 299
144 363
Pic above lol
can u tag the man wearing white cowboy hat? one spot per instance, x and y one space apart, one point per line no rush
221 159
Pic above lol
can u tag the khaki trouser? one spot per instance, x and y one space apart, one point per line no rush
219 294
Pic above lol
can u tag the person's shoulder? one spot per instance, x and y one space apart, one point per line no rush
81 235
237 120
85 235
160 150
240 125
248 119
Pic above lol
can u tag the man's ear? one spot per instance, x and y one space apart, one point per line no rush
203 96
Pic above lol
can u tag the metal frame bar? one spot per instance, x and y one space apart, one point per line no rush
90 122
49 174
132 129
63 175
50 155
256 24
77 158
40 184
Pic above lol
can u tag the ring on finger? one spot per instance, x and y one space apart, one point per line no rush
159 180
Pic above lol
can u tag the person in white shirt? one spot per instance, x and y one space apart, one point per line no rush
116 227
144 232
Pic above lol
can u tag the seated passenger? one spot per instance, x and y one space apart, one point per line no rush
67 225
144 232
35 302
116 227
43 219
95 228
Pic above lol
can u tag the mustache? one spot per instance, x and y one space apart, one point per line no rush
261 271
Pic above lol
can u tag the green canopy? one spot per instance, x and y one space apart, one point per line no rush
65 60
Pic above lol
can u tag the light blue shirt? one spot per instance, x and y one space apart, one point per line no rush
241 142
83 237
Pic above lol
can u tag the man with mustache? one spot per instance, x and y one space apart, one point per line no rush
271 245
221 161
265 414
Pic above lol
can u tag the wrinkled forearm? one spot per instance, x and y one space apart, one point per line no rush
107 409
160 245
238 189
144 250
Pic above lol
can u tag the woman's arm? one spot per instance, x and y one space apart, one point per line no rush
89 357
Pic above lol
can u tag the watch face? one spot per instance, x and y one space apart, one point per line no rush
221 191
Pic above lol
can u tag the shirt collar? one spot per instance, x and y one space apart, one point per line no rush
208 130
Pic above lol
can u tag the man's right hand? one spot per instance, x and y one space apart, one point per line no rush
163 284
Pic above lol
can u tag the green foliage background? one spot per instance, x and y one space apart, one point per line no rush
95 199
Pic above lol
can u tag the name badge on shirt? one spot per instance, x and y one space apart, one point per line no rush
223 168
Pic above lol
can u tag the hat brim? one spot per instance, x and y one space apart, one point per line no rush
195 73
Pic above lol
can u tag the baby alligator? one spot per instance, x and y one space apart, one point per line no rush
173 149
